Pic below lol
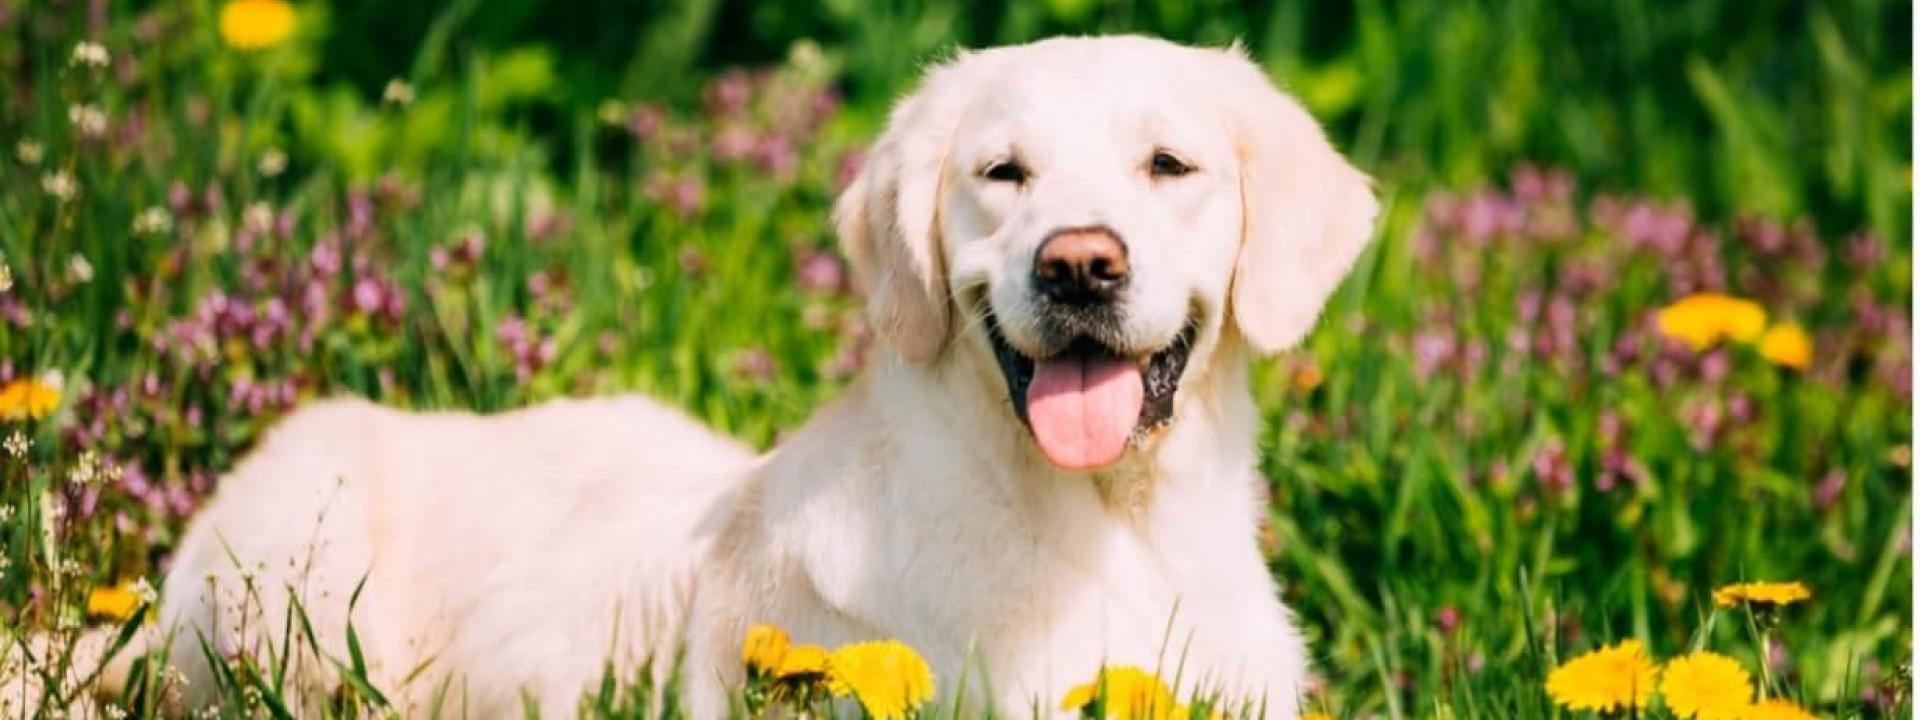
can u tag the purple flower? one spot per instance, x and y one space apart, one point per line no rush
644 120
326 258
180 199
359 215
729 94
1864 249
1827 491
1431 349
368 296
689 195
821 271
733 143
1552 468
755 364
776 156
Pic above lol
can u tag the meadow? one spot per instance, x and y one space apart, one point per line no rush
1636 325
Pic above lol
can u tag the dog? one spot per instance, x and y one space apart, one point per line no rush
1071 250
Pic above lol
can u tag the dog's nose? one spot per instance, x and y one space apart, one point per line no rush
1081 267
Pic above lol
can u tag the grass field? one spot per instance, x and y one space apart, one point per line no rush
1489 458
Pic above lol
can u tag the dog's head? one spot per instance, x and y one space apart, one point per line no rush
1094 215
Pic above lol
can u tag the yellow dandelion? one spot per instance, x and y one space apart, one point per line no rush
1610 678
764 648
1706 686
887 677
255 24
1702 319
29 399
803 661
117 603
1761 593
1316 716
1130 694
1778 709
1787 345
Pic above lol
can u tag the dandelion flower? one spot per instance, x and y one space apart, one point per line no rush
1316 716
1703 319
1761 593
1778 709
802 661
117 603
1617 676
887 677
1130 694
29 399
255 24
1787 345
764 648
1706 686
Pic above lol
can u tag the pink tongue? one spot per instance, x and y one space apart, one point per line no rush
1082 410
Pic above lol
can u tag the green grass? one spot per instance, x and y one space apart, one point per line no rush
1484 462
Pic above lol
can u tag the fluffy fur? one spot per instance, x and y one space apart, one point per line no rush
515 553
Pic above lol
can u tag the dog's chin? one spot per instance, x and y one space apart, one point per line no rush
1158 372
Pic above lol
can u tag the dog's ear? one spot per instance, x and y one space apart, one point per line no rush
888 220
1305 212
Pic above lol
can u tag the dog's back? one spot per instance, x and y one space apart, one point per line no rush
501 554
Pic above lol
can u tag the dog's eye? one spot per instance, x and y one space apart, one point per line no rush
1005 171
1164 164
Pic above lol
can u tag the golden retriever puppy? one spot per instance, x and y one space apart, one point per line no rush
1071 250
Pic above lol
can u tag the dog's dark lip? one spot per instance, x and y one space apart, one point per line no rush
1159 376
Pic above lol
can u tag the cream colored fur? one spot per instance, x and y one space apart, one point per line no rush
510 555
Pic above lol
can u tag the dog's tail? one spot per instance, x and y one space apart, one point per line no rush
68 671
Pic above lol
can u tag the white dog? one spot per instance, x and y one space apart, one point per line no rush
1071 249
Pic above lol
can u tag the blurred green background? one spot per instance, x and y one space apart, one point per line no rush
1775 106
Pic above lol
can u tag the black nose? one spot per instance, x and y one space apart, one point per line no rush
1081 267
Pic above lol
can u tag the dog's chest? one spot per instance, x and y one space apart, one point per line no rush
1115 600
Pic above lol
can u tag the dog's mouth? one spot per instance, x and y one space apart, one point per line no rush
1088 402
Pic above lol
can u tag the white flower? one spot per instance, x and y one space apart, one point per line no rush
79 269
397 92
6 276
144 590
153 221
258 218
6 515
90 120
272 163
29 152
91 54
60 184
17 446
